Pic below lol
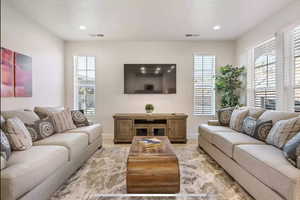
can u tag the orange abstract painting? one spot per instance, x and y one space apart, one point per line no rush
7 73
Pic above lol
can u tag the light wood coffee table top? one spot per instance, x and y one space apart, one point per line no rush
152 171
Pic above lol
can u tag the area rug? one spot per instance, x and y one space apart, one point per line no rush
105 173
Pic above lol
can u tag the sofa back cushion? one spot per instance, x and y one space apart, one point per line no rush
282 131
41 129
44 112
237 119
291 149
62 121
18 135
277 115
26 116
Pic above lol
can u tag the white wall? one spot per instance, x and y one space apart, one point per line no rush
110 59
24 36
266 29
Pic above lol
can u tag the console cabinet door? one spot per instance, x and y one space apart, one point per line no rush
124 129
177 129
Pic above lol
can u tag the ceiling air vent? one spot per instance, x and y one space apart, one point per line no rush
97 35
192 35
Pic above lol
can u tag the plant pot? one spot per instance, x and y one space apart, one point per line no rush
149 111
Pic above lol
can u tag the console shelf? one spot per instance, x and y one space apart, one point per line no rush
128 125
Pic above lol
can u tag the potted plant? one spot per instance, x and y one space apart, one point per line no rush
228 83
149 108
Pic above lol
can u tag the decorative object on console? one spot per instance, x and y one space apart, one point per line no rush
237 118
18 136
282 131
23 75
291 149
5 146
7 73
228 82
149 108
40 129
62 121
224 116
79 118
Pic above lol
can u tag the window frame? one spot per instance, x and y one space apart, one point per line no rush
76 84
213 98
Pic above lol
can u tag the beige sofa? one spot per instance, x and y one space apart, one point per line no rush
36 173
260 168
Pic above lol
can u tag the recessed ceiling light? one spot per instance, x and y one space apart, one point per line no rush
217 27
82 27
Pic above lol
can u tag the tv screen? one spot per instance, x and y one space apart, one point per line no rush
150 78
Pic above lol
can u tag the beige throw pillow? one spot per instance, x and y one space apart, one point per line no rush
62 121
282 131
237 119
18 135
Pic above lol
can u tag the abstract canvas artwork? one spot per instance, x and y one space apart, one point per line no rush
23 75
7 73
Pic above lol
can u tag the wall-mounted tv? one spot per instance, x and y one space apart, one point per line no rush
150 78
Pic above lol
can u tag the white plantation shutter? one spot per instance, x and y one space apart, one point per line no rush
296 42
265 75
204 85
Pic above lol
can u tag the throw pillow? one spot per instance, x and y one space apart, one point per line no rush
40 129
5 146
224 116
255 112
18 135
249 125
262 129
62 121
79 118
237 119
291 149
282 131
2 162
26 116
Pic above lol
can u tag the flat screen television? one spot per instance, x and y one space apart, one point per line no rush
150 78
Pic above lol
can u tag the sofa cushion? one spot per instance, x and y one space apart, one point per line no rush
76 143
291 149
207 131
277 115
27 169
93 131
237 119
5 146
79 118
227 141
224 115
44 112
18 135
41 129
283 131
268 164
62 121
26 116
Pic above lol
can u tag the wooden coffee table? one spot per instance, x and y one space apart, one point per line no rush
154 171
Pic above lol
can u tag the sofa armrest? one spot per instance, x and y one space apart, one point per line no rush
213 123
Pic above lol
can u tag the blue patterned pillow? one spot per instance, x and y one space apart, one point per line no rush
291 149
5 146
257 128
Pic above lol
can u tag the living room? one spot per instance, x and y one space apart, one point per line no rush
197 90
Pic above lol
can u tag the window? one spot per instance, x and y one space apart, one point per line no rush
265 75
296 39
204 85
84 84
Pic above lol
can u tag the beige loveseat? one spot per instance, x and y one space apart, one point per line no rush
34 174
260 168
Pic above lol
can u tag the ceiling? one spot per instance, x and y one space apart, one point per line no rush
148 19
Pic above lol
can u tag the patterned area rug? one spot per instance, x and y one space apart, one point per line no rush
105 173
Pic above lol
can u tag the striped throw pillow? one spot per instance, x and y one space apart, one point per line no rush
62 121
